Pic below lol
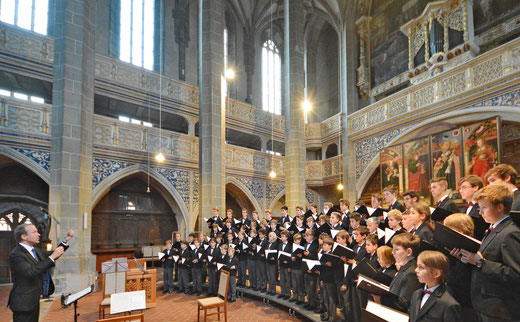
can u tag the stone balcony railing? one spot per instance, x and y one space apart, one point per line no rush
470 77
323 172
240 111
25 116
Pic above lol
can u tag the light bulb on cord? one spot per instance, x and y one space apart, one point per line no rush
160 157
340 186
230 74
148 189
272 174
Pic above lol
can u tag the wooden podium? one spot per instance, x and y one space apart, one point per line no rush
137 281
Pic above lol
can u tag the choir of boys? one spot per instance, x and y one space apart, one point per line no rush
320 261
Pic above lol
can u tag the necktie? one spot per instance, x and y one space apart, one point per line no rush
438 203
34 255
490 229
470 204
413 231
426 292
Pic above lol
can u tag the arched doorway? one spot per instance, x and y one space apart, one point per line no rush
128 216
237 199
23 195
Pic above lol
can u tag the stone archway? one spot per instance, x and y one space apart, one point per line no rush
241 197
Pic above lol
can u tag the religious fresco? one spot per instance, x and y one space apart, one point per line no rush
447 161
416 167
481 148
392 168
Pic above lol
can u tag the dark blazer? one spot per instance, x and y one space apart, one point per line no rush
230 262
494 287
285 219
215 253
27 276
449 204
516 200
217 221
287 249
480 224
440 306
396 205
345 220
424 232
403 285
168 259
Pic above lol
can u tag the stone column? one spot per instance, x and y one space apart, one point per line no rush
211 110
293 98
71 141
348 103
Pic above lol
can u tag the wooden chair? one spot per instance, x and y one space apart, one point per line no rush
126 318
216 302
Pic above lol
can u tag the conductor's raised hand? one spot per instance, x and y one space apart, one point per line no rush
69 236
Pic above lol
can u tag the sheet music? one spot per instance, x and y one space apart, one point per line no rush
270 251
206 246
295 247
380 233
385 214
160 254
334 232
432 210
345 269
371 210
108 267
210 258
237 221
283 253
311 263
386 313
244 247
249 239
115 282
219 266
127 301
388 234
74 297
192 247
258 248
206 219
175 258
200 255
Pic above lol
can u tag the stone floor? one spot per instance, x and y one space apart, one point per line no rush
170 307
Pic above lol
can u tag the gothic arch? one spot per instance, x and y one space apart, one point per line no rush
99 191
242 187
276 199
458 116
26 162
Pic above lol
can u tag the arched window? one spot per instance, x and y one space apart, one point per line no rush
26 14
271 78
137 31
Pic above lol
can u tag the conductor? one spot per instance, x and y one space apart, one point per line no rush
28 266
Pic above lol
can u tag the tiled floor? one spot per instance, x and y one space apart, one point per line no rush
170 307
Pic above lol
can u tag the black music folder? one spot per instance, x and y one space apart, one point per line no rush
439 214
334 259
341 251
449 238
374 287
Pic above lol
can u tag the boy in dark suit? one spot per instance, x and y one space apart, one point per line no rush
285 277
197 261
183 268
405 282
261 281
296 270
168 264
271 263
232 265
311 278
438 187
241 254
468 186
214 252
495 277
433 303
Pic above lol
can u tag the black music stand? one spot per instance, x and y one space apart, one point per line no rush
73 299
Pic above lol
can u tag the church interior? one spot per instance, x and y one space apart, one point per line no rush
130 121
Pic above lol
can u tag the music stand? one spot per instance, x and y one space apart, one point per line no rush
73 299
140 266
